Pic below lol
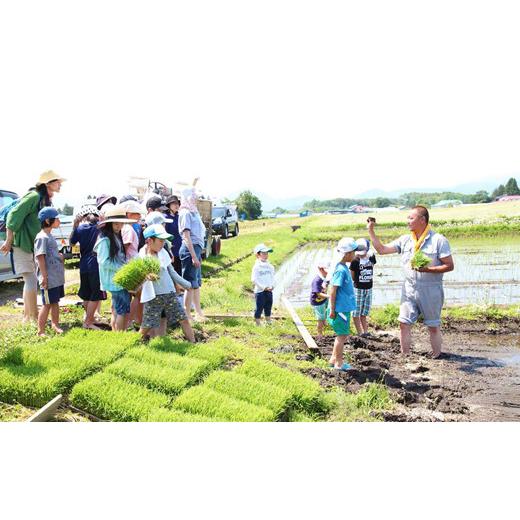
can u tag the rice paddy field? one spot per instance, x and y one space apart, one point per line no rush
236 371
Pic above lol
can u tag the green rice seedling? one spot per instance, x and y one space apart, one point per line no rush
207 402
373 396
170 359
155 376
110 397
248 389
482 312
167 415
34 374
17 335
299 416
33 385
134 273
212 352
364 405
78 348
420 260
305 392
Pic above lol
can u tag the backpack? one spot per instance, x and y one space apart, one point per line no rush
4 211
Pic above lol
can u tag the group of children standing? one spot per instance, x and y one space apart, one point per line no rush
335 294
345 290
109 236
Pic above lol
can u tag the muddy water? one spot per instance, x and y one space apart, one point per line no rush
484 274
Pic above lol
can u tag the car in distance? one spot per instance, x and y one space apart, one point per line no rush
225 221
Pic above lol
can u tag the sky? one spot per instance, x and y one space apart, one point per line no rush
327 99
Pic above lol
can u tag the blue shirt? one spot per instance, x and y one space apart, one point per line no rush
108 267
345 297
173 229
86 235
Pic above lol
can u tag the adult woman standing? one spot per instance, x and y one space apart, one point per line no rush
193 232
22 227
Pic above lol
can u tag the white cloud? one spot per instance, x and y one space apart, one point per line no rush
287 98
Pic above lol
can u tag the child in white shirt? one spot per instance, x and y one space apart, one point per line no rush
263 278
161 306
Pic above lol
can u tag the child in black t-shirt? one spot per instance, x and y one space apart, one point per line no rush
362 270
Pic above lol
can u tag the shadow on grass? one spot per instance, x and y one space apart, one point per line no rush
14 363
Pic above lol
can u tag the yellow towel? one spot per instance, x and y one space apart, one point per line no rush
419 241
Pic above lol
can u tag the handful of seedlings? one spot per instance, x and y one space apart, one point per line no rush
133 274
420 260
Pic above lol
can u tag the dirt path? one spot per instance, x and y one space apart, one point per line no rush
478 381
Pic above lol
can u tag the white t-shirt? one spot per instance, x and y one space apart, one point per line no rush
262 275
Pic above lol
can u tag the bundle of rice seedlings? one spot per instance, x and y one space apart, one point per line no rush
199 400
34 374
248 389
163 378
133 274
420 260
166 415
110 397
304 391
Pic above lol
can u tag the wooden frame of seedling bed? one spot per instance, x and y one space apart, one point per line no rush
47 411
302 329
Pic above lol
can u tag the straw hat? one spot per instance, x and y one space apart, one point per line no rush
117 214
50 176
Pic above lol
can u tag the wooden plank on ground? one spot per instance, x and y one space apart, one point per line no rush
302 329
47 411
226 316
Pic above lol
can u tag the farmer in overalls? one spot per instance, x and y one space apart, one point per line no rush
422 291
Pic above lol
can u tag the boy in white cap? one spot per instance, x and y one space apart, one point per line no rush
319 296
342 301
262 276
362 269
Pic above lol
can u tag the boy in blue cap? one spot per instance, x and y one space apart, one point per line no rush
342 301
49 269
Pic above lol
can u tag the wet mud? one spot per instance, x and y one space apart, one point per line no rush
478 378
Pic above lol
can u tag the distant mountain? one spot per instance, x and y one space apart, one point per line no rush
270 202
467 188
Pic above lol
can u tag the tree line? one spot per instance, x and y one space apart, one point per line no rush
414 198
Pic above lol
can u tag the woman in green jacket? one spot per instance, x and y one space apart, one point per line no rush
22 227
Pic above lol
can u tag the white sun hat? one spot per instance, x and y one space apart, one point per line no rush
346 245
